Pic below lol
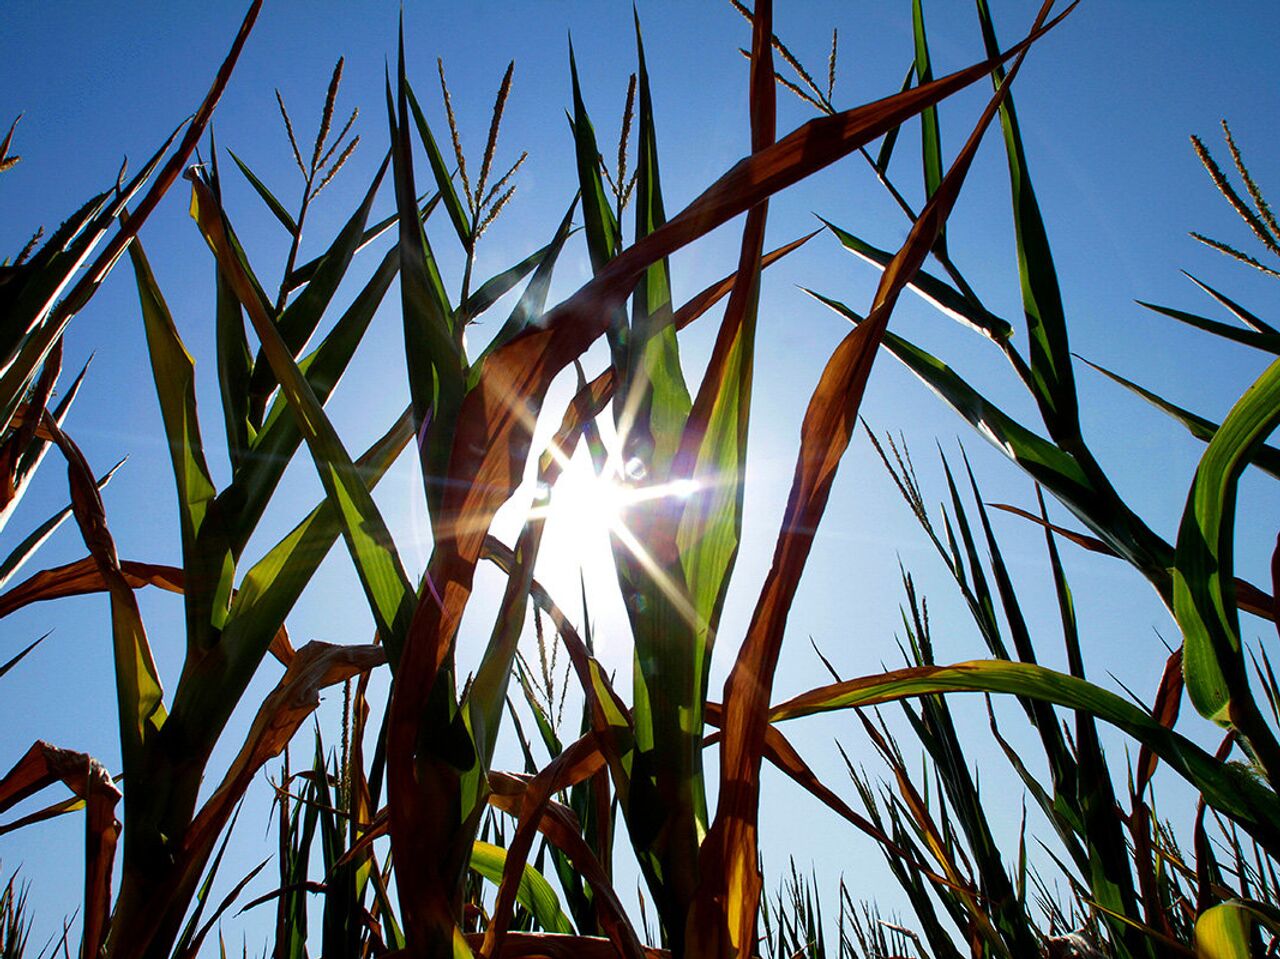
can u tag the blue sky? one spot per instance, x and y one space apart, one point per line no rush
1106 105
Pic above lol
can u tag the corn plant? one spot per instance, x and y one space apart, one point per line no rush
472 419
1193 577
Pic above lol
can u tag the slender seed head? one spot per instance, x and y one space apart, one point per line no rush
457 140
326 116
288 128
491 145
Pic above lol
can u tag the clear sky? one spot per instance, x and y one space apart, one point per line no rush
1106 104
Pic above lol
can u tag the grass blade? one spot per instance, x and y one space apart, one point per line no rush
444 182
1227 788
206 554
933 291
1266 458
1052 379
386 586
729 854
1203 584
275 206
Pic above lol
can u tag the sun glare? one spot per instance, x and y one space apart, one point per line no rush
584 508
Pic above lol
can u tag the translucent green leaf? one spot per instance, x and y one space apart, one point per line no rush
1203 584
444 182
387 588
1052 379
937 293
1227 787
205 548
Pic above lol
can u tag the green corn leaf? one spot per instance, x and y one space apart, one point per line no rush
387 588
1052 379
603 232
6 666
930 134
435 362
533 301
278 440
499 285
273 584
603 236
1203 585
1226 787
275 206
1266 458
304 273
1061 761
1046 463
1240 313
933 291
235 360
885 153
193 932
1110 876
546 730
301 317
935 729
212 181
653 401
444 182
1267 342
205 550
534 893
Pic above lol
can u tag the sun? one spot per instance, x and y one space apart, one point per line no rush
585 509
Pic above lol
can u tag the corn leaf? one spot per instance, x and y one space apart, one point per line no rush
139 695
44 765
300 318
1203 587
46 322
1226 787
272 586
22 654
724 915
1240 313
387 588
1052 380
275 206
1267 342
533 301
235 360
444 182
18 557
654 399
1266 458
933 291
435 362
497 286
930 134
303 274
206 553
534 892
602 228
277 441
494 423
